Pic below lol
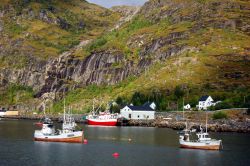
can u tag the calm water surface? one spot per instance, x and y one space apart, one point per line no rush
149 147
110 3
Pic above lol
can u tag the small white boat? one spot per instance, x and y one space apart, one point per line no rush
49 134
203 141
67 134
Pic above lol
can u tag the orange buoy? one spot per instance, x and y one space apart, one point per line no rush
115 154
85 141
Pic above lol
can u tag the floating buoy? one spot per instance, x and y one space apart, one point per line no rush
115 155
85 141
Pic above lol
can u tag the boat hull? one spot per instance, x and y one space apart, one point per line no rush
201 145
110 122
211 147
73 137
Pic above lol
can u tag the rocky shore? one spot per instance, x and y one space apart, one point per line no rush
78 117
215 126
237 121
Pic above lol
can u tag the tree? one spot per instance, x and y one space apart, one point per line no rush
178 92
115 108
119 101
138 98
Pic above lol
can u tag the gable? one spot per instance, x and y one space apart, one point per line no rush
203 98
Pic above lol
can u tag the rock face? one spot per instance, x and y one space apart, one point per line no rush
58 74
94 69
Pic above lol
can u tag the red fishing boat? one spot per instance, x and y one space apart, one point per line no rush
103 119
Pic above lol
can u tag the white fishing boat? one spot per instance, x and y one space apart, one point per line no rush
203 141
68 132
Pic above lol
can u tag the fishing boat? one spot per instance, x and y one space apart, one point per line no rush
68 132
103 119
202 140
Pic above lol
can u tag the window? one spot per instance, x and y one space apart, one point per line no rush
147 116
129 116
138 116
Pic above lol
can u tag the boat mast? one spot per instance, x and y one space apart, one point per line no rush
183 107
44 109
206 121
64 111
93 107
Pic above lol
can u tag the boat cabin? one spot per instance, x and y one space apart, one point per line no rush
203 137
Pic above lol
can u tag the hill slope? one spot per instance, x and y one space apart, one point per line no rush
200 46
44 29
169 49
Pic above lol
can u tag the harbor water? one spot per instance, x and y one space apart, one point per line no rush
137 146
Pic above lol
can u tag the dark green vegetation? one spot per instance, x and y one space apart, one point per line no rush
16 94
219 115
191 48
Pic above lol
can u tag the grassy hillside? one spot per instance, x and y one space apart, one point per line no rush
44 29
216 60
192 48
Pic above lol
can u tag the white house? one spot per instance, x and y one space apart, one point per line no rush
205 102
187 107
146 111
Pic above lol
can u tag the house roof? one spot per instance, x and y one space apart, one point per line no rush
147 104
140 108
204 98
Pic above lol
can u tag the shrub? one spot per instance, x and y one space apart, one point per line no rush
248 111
97 43
222 105
219 115
178 92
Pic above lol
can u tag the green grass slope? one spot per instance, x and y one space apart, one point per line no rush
44 29
216 60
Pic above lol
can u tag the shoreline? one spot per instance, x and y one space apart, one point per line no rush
238 121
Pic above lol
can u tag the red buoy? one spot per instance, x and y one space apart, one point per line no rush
85 141
115 154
